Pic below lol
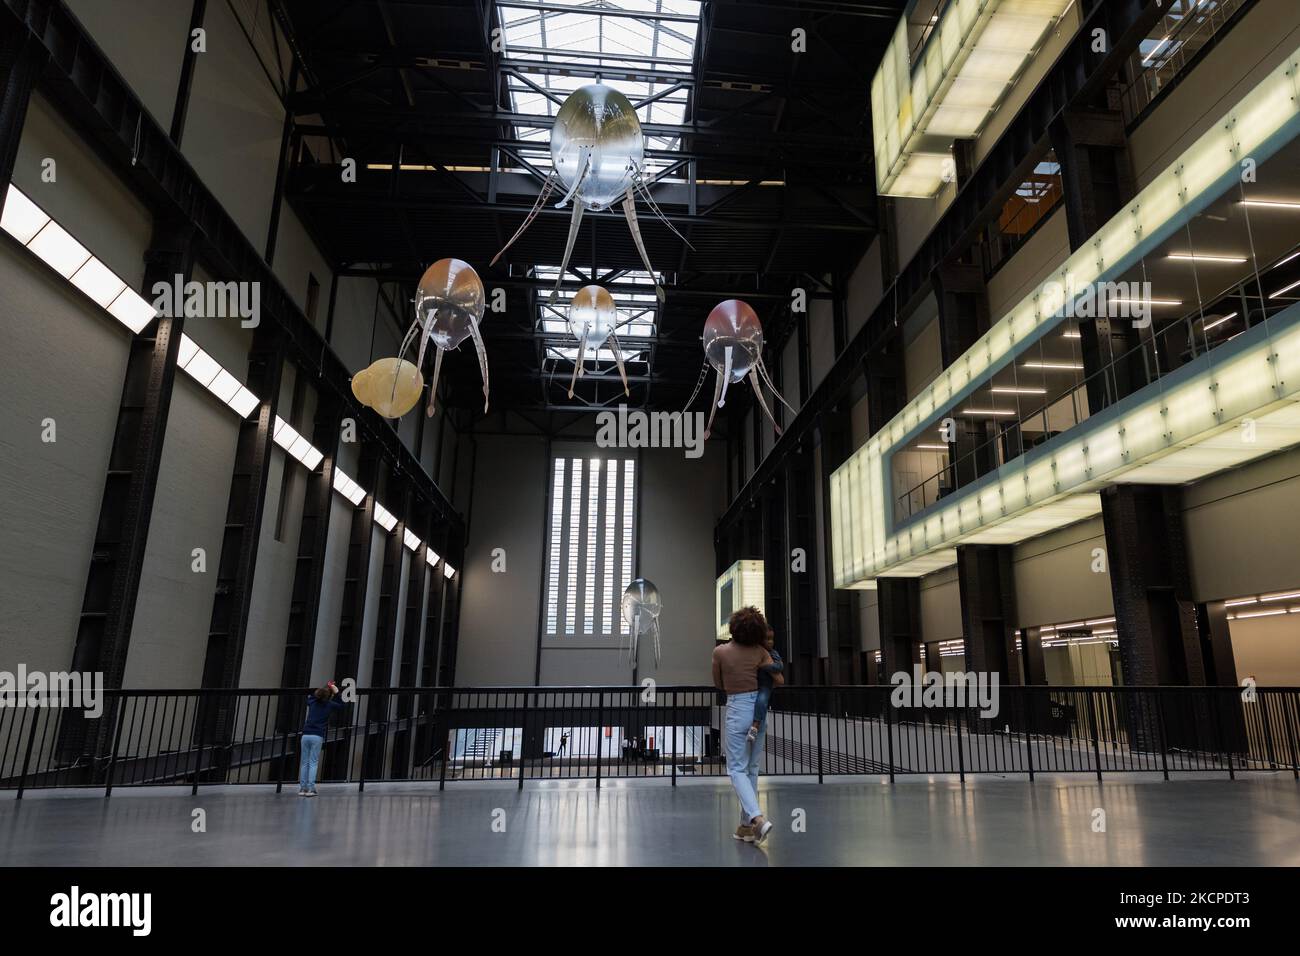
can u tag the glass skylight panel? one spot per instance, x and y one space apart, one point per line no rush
448 571
411 541
562 46
431 557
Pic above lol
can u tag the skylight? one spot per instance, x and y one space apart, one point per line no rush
640 47
637 315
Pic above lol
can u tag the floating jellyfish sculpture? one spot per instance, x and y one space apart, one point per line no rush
733 345
598 157
641 607
593 320
449 303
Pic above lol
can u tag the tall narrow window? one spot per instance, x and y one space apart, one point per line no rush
575 542
609 569
556 543
629 503
589 545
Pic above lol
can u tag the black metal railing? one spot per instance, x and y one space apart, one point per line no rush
448 734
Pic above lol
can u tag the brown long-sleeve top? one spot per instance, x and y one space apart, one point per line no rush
735 666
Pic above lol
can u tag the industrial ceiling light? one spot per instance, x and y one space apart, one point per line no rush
348 488
384 518
411 541
207 371
447 570
1197 257
56 247
431 557
1271 203
1016 390
1055 366
994 412
1219 321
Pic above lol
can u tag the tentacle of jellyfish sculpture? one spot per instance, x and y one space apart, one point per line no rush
598 157
733 345
641 607
449 303
593 319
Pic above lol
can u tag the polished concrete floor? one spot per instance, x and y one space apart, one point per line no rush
860 821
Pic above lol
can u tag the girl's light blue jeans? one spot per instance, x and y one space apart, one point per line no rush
743 756
311 744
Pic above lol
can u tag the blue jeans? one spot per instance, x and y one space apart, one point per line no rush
311 744
761 702
743 757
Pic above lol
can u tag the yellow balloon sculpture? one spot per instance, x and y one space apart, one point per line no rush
391 386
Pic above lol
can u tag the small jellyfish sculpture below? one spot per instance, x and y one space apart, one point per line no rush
598 157
593 319
641 608
733 345
449 304
391 386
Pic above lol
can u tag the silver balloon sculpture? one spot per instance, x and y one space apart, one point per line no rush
733 345
449 304
598 156
593 320
641 608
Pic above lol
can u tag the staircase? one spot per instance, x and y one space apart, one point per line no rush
483 746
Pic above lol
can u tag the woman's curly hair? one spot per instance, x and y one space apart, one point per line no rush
748 626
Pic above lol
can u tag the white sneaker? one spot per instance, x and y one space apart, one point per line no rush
310 793
302 792
760 834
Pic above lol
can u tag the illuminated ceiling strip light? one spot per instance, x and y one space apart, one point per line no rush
1287 288
933 447
1154 50
1191 257
1272 613
1219 321
295 444
1016 390
1284 596
1055 366
55 246
1284 261
384 518
1240 601
1271 203
205 370
1072 335
1173 433
1131 300
996 412
348 488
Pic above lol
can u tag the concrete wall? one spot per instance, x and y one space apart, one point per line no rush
679 502
1054 579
